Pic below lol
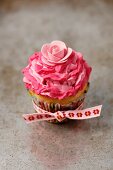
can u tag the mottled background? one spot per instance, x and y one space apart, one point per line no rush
85 25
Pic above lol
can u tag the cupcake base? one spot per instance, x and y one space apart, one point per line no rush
48 105
54 107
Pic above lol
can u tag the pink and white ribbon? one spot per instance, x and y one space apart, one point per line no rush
77 114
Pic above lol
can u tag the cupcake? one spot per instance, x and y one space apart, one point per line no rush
57 78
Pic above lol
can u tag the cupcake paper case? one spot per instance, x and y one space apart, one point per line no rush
57 78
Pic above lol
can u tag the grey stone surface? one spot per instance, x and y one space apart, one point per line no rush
86 26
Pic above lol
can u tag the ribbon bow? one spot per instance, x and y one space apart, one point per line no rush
78 114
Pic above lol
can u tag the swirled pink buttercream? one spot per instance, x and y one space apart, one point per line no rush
57 71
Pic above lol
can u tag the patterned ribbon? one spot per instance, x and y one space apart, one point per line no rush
78 114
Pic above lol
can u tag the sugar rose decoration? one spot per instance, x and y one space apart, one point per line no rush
55 53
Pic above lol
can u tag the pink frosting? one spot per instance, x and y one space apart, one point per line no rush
57 71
